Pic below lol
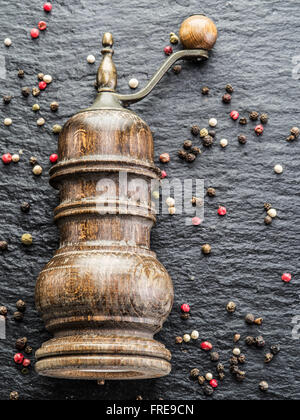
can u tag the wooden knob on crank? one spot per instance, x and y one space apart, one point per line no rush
198 31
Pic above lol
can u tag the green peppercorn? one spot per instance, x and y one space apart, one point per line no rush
208 141
242 139
3 310
182 154
177 69
21 74
36 107
26 239
3 245
195 130
21 343
229 88
250 319
25 371
18 316
214 356
187 144
275 349
243 121
57 129
205 90
21 305
26 92
254 116
7 99
211 192
14 395
174 38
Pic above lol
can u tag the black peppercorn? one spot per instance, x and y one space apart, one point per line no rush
205 90
254 116
269 357
21 305
195 150
25 207
190 157
211 192
7 99
226 98
221 376
229 88
268 220
243 121
21 343
208 390
260 342
18 316
194 373
214 356
21 74
185 316
264 118
250 341
242 359
28 350
26 92
234 369
177 69
242 139
195 130
240 376
233 361
182 154
249 318
212 133
275 349
220 367
54 106
3 310
208 141
3 245
187 144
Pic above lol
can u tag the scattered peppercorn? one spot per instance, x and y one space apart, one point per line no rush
272 213
243 121
21 74
35 107
208 141
226 98
263 386
26 239
240 376
186 338
206 249
267 206
174 38
264 118
7 99
290 138
195 150
236 338
229 88
268 220
259 341
42 25
258 321
286 277
26 92
214 356
53 158
187 144
275 349
26 363
223 143
213 122
222 211
182 154
234 115
168 50
3 310
220 367
42 85
236 351
211 192
234 369
208 376
28 350
35 33
250 341
21 343
14 395
40 76
295 131
242 359
56 129
201 380
37 170
194 335
47 7
177 69
3 245
54 106
259 129
195 130
254 116
206 345
185 307
7 158
184 316
205 90
25 207
194 373
269 357
21 305
242 139
190 157
203 132
234 361
18 316
221 376
208 390
249 318
231 307
8 122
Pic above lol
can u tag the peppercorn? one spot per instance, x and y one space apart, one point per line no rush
25 207
172 210
18 316
206 345
201 380
226 98
242 139
272 213
236 351
195 130
268 220
229 88
26 363
214 356
220 367
186 338
203 132
222 211
56 129
35 33
40 122
3 245
182 154
47 79
174 38
264 118
14 395
233 361
205 90
234 115
267 206
26 239
35 91
196 202
3 310
242 358
259 341
208 376
168 50
8 122
258 321
91 60
35 107
221 376
26 92
240 376
208 390
250 341
213 122
54 106
25 371
211 192
206 249
236 338
278 169
190 157
295 131
269 357
234 369
249 318
223 143
40 76
195 151
264 386
187 144
259 129
290 138
37 170
275 349
185 316
195 335
21 343
28 350
194 373
21 305
7 99
177 69
208 141
254 116
231 307
21 74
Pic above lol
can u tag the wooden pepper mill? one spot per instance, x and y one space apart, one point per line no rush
104 294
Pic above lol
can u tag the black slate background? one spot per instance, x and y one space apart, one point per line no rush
256 45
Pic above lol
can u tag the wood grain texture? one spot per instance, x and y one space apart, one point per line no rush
104 294
198 31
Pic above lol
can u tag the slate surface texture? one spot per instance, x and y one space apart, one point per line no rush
258 53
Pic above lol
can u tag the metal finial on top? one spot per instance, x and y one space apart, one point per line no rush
107 73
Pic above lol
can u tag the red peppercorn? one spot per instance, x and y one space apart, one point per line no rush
234 115
196 221
48 7
42 85
42 25
168 50
185 308
26 362
163 174
286 277
6 158
222 211
259 129
18 358
53 158
206 345
35 33
213 383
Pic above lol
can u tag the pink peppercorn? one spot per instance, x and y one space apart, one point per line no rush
185 307
7 158
222 211
163 174
26 362
213 383
42 85
18 358
168 50
42 25
196 221
286 277
259 129
35 33
234 115
206 345
47 7
53 158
